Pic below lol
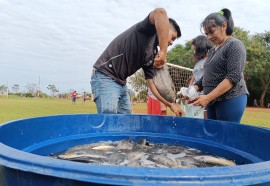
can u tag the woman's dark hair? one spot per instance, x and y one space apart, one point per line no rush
176 27
202 46
218 18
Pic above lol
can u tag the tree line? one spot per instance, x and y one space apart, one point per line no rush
32 90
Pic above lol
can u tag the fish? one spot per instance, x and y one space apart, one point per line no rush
163 160
133 156
103 147
147 163
143 142
141 153
82 153
134 164
175 156
215 160
97 146
125 145
175 149
115 159
189 162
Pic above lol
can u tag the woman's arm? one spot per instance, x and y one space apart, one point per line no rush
236 56
222 88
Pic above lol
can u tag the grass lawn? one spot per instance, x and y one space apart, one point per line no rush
13 108
16 107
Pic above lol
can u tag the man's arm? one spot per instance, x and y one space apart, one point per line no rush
161 21
173 106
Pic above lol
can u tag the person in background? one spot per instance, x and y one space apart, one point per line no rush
84 97
255 103
200 45
223 84
154 106
74 97
133 49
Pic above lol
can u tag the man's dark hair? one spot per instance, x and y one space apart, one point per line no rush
176 26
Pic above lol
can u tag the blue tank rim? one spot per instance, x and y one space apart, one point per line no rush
15 159
24 161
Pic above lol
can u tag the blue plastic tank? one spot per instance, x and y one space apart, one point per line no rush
25 143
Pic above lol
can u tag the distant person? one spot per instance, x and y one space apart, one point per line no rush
154 106
268 105
135 48
74 97
84 97
255 103
223 84
200 45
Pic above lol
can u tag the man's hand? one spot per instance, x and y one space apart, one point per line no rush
163 108
160 59
176 109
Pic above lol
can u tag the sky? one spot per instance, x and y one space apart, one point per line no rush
57 42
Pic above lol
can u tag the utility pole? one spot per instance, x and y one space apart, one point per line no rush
38 87
7 89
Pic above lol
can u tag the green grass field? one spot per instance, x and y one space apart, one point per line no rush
13 108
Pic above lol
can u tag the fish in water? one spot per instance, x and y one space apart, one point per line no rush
163 160
215 160
189 162
141 154
103 147
125 145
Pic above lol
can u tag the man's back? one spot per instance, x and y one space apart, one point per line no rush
128 52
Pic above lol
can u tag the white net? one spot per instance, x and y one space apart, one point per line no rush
180 77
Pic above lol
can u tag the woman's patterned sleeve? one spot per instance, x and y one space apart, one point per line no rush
236 58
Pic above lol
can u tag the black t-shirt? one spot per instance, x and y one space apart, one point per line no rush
128 52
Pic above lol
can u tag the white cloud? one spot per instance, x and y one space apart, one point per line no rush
59 41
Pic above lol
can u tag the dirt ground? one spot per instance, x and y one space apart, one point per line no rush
258 109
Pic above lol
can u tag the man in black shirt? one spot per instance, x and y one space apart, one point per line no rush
133 49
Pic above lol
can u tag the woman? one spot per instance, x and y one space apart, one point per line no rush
223 85
201 46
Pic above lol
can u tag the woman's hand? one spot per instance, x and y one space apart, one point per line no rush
202 100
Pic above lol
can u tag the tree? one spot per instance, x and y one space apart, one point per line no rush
3 90
137 81
181 55
53 89
138 84
16 88
32 88
258 66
